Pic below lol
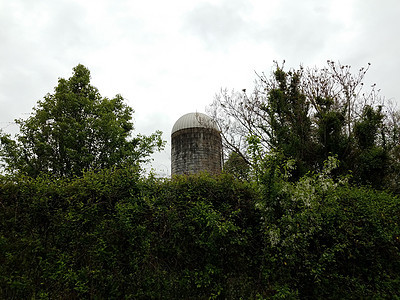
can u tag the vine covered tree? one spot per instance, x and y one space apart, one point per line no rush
309 115
76 129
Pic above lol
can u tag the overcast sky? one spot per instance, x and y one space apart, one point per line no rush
168 58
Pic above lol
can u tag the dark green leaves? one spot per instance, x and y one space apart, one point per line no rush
76 129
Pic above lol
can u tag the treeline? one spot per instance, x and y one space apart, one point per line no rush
113 234
307 207
309 114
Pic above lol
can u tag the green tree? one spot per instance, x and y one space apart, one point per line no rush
372 155
288 113
76 129
309 115
237 166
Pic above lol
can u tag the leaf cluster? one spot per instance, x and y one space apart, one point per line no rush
324 238
309 114
76 129
114 234
111 234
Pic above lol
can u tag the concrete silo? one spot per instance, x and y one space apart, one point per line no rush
196 145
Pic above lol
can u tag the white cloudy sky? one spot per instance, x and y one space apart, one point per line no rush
171 57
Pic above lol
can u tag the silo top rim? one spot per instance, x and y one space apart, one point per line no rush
192 120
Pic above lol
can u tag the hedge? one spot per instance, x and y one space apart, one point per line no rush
114 234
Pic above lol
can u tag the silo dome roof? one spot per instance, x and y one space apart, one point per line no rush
191 120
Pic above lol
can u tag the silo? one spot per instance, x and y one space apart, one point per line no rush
196 145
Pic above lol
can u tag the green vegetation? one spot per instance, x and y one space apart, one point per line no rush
74 130
112 234
272 226
311 114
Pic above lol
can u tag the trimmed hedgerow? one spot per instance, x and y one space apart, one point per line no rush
113 234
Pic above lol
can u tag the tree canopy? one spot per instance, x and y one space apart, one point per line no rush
284 224
76 129
310 114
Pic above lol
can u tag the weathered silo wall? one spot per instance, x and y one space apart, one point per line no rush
196 145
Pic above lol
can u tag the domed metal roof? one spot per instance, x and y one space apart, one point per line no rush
191 120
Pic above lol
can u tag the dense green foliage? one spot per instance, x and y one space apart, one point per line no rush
112 234
311 114
285 219
237 166
326 239
76 129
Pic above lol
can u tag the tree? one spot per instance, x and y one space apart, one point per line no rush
237 166
76 129
308 115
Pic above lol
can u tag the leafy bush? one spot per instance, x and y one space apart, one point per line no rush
326 239
113 234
